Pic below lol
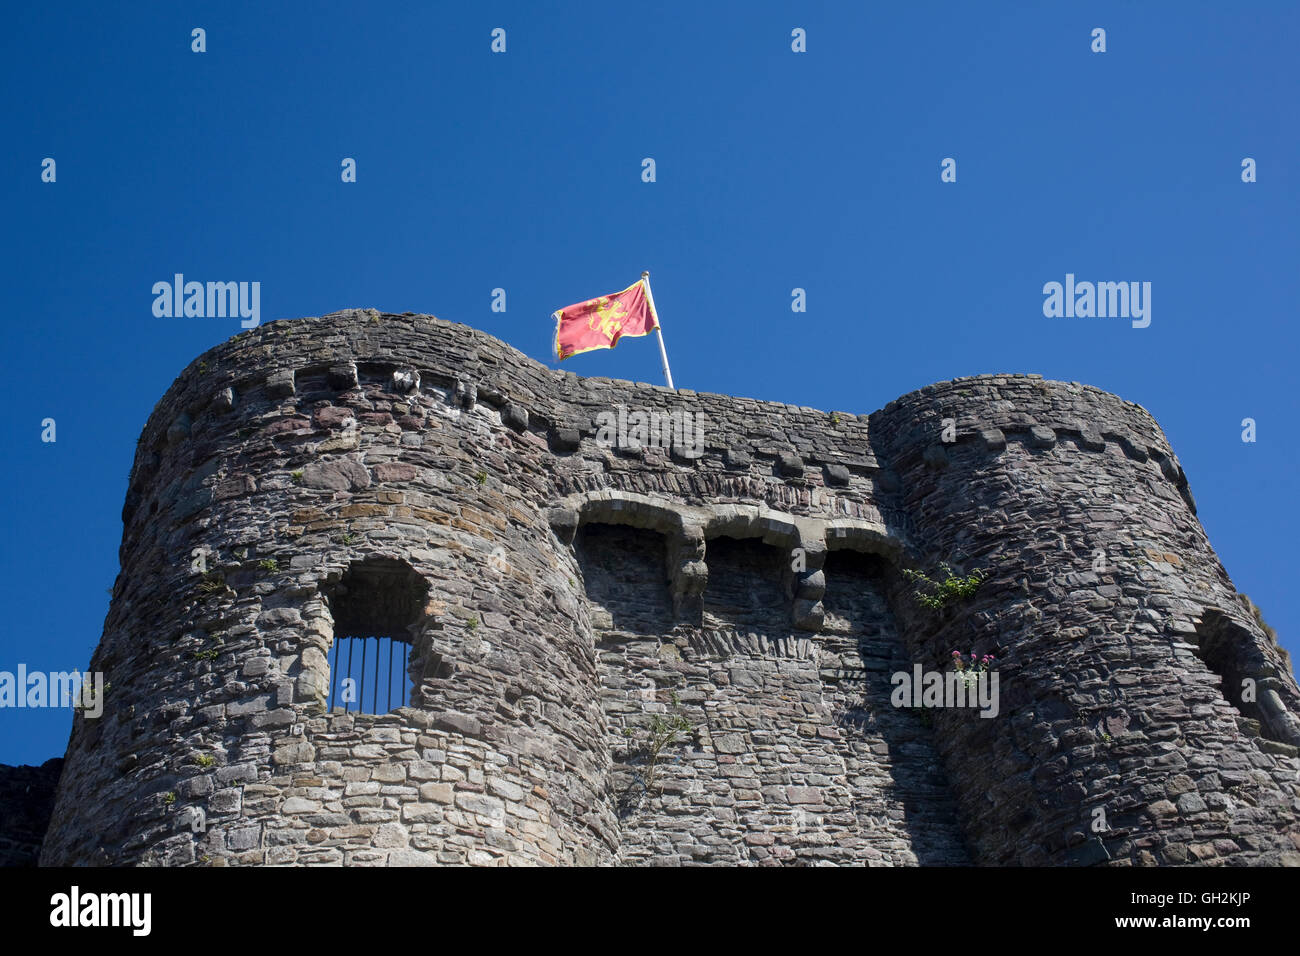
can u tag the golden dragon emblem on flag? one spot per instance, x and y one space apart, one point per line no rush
605 318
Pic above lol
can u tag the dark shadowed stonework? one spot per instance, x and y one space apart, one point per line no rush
416 475
26 799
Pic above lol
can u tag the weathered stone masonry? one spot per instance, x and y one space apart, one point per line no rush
572 590
26 799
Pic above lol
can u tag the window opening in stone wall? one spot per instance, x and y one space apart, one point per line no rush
377 606
1229 651
374 672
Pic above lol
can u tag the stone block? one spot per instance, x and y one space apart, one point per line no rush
343 475
1041 436
280 383
565 439
789 465
342 377
515 416
837 475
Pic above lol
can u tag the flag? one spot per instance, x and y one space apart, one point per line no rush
599 323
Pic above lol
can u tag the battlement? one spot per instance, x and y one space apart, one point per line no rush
599 553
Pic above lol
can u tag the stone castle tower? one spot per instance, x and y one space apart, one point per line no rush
551 591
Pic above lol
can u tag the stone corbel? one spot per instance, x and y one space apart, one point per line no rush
808 586
688 575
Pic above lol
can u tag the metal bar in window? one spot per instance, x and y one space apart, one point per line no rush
346 702
361 697
374 694
390 673
405 673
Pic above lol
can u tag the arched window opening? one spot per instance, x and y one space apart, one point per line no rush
378 606
1229 651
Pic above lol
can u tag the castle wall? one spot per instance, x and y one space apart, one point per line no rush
220 680
572 587
793 752
1099 573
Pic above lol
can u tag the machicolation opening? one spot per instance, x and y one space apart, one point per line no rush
377 606
624 572
746 590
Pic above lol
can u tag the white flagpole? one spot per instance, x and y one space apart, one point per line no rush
663 353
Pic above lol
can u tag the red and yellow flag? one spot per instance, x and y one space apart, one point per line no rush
600 323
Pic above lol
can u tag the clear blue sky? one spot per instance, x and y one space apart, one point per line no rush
522 171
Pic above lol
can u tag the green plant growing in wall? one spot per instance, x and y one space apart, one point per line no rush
936 594
348 537
481 477
296 477
169 798
269 564
205 760
661 733
472 623
212 582
87 697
